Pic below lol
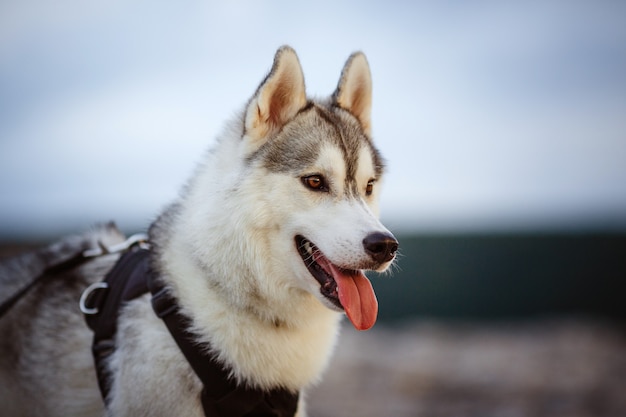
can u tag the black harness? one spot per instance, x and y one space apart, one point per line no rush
221 396
131 277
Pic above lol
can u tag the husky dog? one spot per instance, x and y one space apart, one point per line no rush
264 251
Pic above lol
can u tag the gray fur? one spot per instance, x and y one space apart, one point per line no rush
46 368
298 143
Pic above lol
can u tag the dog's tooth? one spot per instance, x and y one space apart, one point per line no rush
307 246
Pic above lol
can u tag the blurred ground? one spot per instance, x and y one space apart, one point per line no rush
543 368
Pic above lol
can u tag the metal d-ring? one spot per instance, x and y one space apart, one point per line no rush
87 293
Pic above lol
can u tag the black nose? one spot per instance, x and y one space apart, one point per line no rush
381 247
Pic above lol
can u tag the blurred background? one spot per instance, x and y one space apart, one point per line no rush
504 128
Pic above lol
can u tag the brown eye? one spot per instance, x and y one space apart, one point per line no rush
369 188
315 182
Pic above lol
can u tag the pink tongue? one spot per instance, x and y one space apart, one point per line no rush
357 297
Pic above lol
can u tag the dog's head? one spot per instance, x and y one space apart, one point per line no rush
286 205
317 178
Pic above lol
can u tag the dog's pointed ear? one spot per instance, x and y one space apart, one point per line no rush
354 91
278 99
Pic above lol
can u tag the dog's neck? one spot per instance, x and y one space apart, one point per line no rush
267 344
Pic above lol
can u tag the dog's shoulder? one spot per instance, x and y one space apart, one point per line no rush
16 271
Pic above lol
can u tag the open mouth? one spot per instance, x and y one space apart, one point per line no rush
347 289
311 256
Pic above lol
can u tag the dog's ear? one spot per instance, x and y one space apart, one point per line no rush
278 99
354 91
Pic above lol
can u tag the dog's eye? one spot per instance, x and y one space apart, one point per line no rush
315 182
369 188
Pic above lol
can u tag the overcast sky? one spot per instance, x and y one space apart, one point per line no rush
490 114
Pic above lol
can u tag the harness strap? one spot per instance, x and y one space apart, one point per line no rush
221 396
65 265
125 282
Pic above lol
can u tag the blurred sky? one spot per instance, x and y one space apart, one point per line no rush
490 114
